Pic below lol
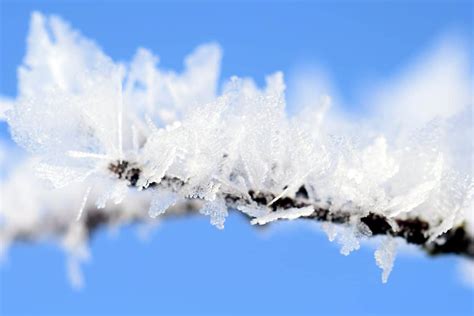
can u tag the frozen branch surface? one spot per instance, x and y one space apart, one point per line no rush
115 139
412 230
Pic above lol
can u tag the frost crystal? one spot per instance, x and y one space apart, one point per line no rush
217 210
116 192
385 257
161 201
330 230
146 138
83 204
347 236
291 213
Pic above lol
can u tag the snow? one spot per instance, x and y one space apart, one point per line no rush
77 111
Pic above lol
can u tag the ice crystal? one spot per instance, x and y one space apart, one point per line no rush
161 201
291 213
143 137
83 204
385 257
217 211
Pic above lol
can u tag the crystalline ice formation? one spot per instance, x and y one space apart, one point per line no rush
347 236
161 201
166 96
146 138
217 211
385 256
291 213
78 124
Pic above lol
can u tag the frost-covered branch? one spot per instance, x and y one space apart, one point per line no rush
413 230
456 240
127 142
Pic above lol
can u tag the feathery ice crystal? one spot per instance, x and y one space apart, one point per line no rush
135 135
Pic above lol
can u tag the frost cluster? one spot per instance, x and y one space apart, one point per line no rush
78 112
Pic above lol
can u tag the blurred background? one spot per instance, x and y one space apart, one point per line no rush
348 49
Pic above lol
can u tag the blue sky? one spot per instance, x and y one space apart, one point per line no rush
189 267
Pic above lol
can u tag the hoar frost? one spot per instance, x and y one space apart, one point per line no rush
385 256
176 137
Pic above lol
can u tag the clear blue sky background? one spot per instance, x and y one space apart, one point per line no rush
189 267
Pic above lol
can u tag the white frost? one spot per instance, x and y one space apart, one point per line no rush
291 213
385 256
217 211
78 111
161 201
